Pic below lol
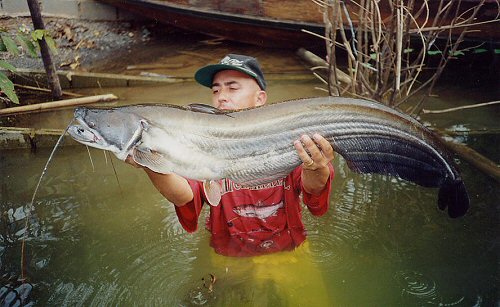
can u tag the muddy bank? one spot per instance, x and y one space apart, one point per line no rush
139 48
80 44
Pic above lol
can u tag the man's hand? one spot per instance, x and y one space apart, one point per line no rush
130 160
315 153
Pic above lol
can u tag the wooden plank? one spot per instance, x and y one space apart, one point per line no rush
298 11
29 138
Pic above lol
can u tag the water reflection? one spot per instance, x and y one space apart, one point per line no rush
15 294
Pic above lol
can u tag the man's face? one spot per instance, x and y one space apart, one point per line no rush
234 90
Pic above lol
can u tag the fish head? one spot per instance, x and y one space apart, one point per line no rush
109 129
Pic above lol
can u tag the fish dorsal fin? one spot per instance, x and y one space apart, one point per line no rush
203 108
213 192
151 159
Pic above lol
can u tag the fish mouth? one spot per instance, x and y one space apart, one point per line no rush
83 135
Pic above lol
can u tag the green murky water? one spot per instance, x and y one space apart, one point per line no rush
94 241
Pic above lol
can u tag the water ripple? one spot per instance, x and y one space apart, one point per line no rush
334 236
423 289
69 294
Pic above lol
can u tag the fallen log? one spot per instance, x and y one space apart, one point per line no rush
476 159
47 106
316 61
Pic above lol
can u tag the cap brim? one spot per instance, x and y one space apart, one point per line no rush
205 75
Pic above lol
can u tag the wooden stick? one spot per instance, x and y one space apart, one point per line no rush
399 47
479 131
45 90
47 106
196 54
460 108
453 26
155 66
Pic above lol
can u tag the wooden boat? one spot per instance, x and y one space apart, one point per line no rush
273 23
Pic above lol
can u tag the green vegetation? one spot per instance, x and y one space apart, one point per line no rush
29 42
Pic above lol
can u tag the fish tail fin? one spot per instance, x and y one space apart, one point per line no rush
454 196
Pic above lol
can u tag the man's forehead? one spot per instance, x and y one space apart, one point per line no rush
226 83
230 75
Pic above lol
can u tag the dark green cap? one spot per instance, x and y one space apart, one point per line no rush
243 63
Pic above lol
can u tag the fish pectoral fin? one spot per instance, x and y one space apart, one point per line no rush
151 159
213 192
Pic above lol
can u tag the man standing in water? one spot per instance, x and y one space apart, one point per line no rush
257 220
261 220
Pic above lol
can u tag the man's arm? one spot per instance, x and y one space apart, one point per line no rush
173 187
315 153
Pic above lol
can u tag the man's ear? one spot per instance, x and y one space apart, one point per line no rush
261 98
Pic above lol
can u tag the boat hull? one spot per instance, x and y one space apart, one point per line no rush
273 23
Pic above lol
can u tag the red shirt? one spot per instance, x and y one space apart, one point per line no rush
256 220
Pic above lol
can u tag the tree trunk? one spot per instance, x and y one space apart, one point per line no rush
52 78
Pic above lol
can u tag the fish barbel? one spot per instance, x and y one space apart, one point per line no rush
255 146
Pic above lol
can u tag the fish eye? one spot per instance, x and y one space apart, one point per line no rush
91 124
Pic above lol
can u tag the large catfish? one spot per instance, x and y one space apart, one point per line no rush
255 146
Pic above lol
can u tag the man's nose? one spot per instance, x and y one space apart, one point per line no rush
222 97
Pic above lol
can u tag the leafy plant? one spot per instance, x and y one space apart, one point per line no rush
38 35
7 44
29 40
6 86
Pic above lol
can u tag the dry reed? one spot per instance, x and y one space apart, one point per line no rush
386 55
